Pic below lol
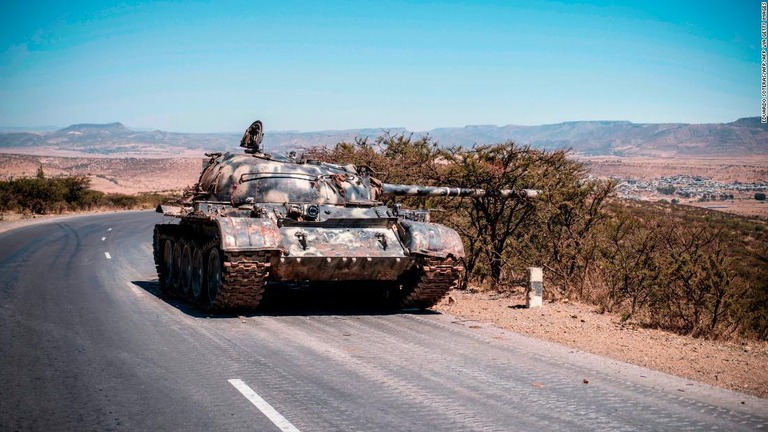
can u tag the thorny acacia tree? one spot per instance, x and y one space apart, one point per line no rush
511 233
563 237
490 222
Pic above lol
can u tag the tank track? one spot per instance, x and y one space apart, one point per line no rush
156 253
243 275
160 235
433 278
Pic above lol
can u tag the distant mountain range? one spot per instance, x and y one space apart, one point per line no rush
745 136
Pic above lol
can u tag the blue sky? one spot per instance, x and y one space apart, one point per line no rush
315 65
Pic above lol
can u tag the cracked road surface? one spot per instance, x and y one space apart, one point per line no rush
86 343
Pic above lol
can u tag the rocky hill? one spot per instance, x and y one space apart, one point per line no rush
111 139
745 136
623 138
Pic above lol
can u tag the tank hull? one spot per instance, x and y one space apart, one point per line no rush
240 257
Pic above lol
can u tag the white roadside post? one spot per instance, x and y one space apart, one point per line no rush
535 288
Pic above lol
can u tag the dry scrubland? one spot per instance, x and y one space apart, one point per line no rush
110 175
739 366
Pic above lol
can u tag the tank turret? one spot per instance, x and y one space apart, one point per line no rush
254 222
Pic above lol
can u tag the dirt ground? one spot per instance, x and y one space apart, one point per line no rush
736 366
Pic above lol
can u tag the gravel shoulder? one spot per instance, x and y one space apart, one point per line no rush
736 366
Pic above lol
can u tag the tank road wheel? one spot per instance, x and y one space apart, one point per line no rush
185 276
166 283
197 282
176 280
213 278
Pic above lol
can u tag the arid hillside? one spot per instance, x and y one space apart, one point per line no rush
109 175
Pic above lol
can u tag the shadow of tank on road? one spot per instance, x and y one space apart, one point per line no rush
329 299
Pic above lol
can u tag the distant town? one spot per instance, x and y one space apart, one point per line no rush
689 187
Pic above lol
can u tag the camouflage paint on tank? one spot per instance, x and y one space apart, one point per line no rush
431 239
239 233
388 189
279 219
335 268
341 242
240 179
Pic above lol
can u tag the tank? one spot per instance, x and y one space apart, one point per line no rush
256 222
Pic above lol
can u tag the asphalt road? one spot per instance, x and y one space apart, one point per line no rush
86 343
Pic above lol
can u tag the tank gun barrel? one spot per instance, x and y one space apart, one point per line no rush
388 189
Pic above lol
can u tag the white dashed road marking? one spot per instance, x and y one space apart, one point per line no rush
265 408
109 229
103 238
106 254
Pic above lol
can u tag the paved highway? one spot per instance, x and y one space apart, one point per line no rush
86 343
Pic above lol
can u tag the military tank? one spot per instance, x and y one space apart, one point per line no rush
255 221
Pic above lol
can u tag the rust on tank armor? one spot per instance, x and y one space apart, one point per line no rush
254 222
